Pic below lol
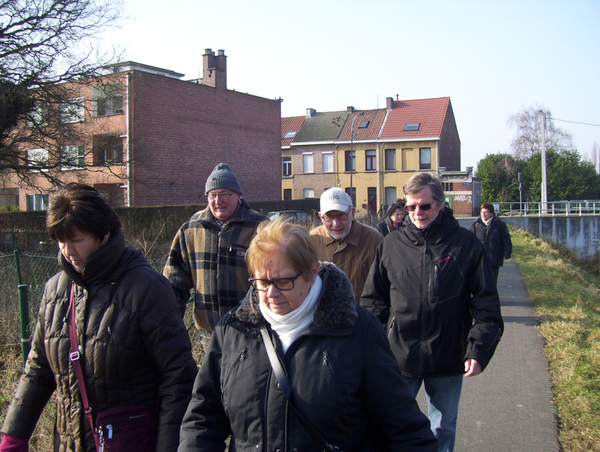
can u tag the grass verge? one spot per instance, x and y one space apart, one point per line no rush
566 299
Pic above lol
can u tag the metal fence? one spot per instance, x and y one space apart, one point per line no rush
555 208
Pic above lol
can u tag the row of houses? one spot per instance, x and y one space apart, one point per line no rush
148 137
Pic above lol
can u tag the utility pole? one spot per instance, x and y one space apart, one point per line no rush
544 173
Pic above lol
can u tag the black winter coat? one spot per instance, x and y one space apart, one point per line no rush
342 374
495 240
435 292
135 349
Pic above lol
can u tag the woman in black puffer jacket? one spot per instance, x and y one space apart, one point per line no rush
344 378
134 347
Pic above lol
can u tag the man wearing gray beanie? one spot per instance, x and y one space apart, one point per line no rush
208 252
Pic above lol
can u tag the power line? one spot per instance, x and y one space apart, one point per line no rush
576 122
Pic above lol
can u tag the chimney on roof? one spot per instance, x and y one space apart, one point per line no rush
310 112
389 103
214 69
350 109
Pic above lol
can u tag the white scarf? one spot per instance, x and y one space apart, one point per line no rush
289 326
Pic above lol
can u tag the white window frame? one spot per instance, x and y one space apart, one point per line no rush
72 110
38 156
286 166
37 202
308 166
308 193
390 160
108 100
73 157
328 162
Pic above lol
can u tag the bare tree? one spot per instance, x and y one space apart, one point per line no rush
595 158
528 141
47 48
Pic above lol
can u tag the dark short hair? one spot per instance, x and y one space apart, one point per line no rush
82 207
419 181
488 206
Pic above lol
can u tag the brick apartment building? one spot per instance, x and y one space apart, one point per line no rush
152 138
372 153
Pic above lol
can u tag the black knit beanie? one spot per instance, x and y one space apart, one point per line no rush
222 177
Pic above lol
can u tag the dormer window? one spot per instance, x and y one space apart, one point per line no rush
290 134
364 124
412 126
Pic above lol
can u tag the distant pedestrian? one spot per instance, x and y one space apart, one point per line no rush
493 234
341 239
393 221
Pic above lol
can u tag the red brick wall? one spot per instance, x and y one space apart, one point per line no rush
181 130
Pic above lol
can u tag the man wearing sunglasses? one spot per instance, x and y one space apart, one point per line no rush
432 288
341 239
208 252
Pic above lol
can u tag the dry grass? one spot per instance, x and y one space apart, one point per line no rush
567 301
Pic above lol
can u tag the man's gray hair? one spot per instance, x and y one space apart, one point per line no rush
421 180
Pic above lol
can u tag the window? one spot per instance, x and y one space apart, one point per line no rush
425 158
448 186
37 202
290 134
328 162
352 193
108 149
307 162
108 100
412 126
309 193
363 124
371 160
390 195
72 110
72 157
287 194
390 159
38 159
350 161
408 159
286 166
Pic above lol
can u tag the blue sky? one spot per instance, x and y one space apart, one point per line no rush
492 58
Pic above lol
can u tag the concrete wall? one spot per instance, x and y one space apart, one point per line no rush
578 234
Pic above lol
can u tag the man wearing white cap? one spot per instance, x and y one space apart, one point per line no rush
350 245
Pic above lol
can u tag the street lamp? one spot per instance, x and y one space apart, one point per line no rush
352 159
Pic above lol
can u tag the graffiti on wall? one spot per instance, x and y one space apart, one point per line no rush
463 198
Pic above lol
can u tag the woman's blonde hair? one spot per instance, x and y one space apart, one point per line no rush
293 242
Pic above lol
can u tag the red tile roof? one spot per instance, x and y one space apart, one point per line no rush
371 132
430 113
289 124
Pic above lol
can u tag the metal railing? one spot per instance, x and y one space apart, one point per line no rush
555 208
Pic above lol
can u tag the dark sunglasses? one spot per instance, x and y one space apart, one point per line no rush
420 206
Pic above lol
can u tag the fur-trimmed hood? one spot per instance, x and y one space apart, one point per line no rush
335 307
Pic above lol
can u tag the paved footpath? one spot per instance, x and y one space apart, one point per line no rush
509 408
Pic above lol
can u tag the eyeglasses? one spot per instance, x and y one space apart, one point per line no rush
340 217
282 284
420 206
223 196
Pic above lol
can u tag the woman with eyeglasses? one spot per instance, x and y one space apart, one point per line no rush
342 385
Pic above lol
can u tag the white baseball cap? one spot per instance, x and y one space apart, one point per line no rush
335 199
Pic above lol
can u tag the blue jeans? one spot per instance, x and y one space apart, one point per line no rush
443 395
